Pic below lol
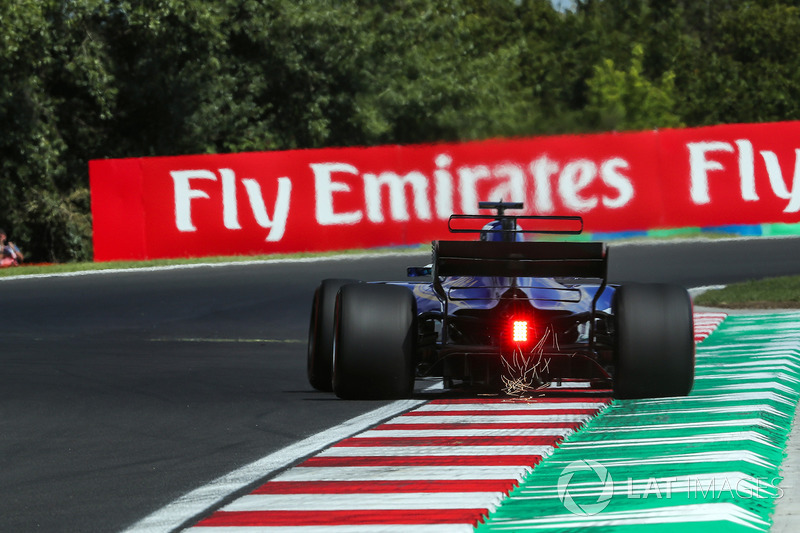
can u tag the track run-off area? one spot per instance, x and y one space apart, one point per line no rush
447 464
569 459
131 402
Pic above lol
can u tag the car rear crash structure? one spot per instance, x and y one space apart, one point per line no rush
502 314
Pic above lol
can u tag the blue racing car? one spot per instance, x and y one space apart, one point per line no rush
503 315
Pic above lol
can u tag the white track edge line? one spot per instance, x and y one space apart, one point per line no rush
176 514
694 292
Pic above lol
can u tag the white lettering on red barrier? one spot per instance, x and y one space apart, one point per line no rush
324 189
702 162
373 185
184 194
512 184
507 181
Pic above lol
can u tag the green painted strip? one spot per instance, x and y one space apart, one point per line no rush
707 462
781 229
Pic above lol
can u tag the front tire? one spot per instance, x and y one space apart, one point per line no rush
654 354
375 343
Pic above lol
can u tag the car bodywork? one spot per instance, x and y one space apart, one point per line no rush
504 314
467 321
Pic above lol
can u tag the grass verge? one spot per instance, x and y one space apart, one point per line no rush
771 293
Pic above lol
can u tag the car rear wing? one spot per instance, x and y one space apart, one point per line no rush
542 224
520 259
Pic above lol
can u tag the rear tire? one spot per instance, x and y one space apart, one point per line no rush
320 334
654 354
374 349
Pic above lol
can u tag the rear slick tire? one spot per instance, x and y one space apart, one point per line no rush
320 334
654 355
374 347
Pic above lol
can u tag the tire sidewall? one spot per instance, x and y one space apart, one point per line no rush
319 360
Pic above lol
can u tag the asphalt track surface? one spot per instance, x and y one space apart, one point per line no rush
121 392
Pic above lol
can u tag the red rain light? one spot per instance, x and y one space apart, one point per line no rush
519 331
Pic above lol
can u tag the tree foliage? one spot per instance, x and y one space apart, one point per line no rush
627 100
86 79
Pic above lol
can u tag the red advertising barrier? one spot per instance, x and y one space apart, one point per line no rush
330 199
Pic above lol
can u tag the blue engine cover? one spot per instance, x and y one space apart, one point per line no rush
547 294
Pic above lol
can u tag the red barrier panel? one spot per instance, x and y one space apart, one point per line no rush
734 174
329 199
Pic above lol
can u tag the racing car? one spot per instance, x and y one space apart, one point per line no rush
503 315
